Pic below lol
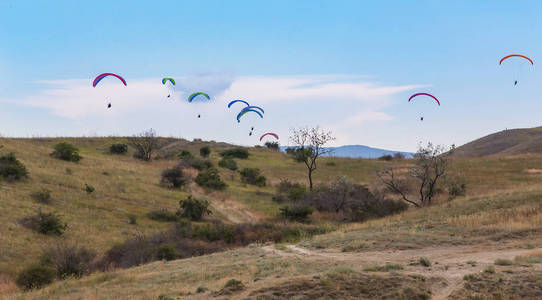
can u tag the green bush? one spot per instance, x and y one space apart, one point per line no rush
205 151
424 261
272 145
35 277
132 219
386 157
167 252
457 187
11 169
174 177
45 223
185 153
252 176
68 260
503 262
210 178
89 189
163 215
66 151
299 154
227 163
42 196
118 148
296 213
194 209
289 191
237 152
196 163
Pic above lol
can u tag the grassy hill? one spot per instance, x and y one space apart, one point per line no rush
507 142
487 243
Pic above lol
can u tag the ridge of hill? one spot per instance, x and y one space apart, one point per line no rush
506 142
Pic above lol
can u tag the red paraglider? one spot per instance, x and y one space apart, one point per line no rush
424 94
269 133
103 75
515 55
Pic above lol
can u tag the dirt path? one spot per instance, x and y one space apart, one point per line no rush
447 263
231 210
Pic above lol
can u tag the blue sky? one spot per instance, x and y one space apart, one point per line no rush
349 66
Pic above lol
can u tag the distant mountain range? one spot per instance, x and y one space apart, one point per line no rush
359 151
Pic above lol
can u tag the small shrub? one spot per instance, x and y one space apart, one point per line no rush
118 148
237 152
132 219
45 223
35 277
457 187
489 270
66 151
272 145
185 153
386 157
289 191
503 262
227 163
196 163
424 261
89 189
331 164
252 176
163 215
299 154
69 171
167 252
11 169
201 289
68 260
42 196
174 177
233 283
194 209
296 213
210 178
385 268
205 151
165 297
398 155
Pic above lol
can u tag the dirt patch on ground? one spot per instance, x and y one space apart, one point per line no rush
501 285
347 284
533 171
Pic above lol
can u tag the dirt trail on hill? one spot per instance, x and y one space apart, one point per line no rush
233 211
447 263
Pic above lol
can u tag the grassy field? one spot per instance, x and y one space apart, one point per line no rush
503 206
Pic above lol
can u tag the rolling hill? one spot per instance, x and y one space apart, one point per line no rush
507 142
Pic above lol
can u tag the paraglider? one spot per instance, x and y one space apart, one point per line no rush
518 56
238 100
171 80
269 133
103 75
244 111
254 107
194 95
423 94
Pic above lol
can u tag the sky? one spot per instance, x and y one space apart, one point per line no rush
346 66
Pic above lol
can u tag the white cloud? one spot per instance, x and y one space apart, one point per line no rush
289 101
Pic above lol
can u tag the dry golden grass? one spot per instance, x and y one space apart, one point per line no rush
502 202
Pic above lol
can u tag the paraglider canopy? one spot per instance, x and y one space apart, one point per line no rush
194 95
516 55
269 133
103 75
238 100
166 79
244 111
423 94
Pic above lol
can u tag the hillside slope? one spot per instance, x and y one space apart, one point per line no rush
507 142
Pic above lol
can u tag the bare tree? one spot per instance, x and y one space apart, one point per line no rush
145 144
430 167
310 143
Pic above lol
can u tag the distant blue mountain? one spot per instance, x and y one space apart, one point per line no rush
359 151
